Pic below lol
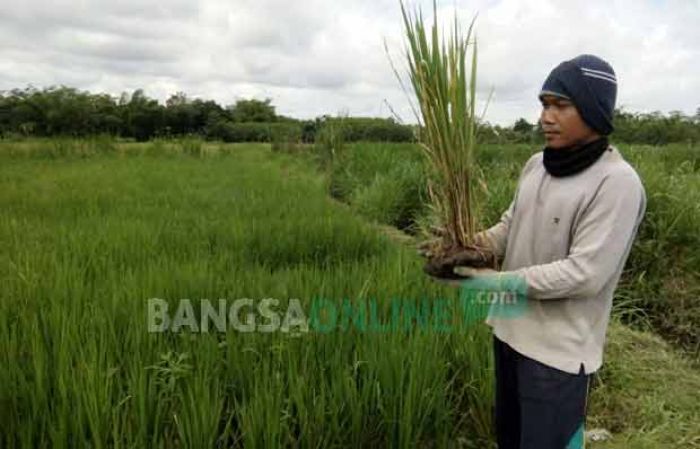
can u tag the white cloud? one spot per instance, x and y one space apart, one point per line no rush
324 57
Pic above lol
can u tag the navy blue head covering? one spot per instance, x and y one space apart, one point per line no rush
590 83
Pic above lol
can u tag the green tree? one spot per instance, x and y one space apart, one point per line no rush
253 111
523 126
143 117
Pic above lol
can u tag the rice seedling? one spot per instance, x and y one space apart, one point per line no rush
87 240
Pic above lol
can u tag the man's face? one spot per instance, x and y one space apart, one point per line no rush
562 124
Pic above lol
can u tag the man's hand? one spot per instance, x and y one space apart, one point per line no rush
469 272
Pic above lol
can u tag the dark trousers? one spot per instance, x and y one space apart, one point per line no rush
537 406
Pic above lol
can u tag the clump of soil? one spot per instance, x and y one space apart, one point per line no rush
442 258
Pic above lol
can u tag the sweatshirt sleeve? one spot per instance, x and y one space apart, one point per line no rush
496 237
600 244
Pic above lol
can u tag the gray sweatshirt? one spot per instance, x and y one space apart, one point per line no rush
569 238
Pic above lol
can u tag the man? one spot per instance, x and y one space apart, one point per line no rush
567 235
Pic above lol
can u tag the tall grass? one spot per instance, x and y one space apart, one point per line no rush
330 141
385 183
667 291
286 138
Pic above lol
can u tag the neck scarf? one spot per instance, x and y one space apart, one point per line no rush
574 159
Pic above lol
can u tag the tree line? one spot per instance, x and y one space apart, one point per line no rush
66 111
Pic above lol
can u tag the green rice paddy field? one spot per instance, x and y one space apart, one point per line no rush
91 230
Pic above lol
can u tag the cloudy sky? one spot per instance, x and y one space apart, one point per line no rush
327 57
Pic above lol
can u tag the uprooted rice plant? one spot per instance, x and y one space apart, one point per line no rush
443 72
